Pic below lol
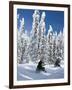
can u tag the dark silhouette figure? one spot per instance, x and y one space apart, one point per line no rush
40 67
57 63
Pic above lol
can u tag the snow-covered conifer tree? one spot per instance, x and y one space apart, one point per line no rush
60 47
42 39
22 43
54 47
60 37
33 48
63 46
19 40
50 44
22 30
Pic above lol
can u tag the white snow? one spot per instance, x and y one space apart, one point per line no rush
50 29
22 24
43 16
28 72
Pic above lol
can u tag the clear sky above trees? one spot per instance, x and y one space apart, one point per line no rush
54 18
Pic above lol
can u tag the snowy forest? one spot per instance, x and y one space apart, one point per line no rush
39 45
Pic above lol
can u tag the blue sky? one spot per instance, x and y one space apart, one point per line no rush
55 18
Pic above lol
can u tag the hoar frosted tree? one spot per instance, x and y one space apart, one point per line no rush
50 44
42 47
33 49
22 44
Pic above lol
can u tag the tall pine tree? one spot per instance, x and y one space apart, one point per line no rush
50 44
33 48
22 44
42 37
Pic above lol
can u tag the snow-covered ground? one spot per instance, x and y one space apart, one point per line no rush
28 72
